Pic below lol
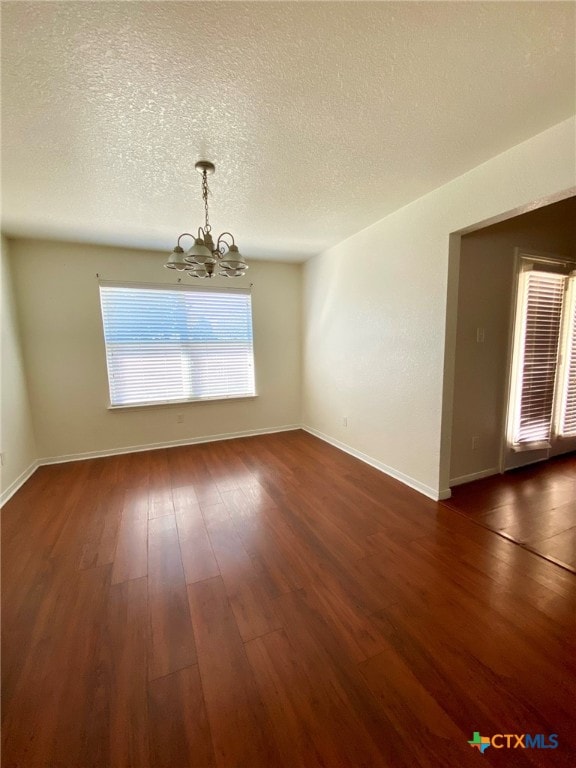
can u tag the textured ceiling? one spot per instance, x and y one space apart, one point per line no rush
321 117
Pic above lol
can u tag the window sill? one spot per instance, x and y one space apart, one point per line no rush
538 445
180 403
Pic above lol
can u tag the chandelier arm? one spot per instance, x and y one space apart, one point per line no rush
221 238
184 234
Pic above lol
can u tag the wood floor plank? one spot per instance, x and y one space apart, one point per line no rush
171 637
247 594
226 467
80 502
561 547
184 497
363 733
179 730
480 633
160 487
215 512
128 674
417 636
507 575
136 502
131 556
533 506
284 559
300 707
198 476
100 548
180 461
61 667
239 725
307 518
525 522
247 502
502 558
136 469
351 624
416 715
195 548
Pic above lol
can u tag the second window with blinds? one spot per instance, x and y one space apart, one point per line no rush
542 400
171 344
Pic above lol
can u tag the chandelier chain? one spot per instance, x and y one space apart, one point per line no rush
205 198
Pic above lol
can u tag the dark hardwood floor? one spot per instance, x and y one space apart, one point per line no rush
534 506
270 602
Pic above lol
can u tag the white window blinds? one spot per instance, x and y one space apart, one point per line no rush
540 304
568 374
176 344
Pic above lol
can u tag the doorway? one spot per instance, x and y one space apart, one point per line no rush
486 302
532 505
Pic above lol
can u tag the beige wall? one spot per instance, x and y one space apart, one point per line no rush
486 289
379 331
57 293
16 430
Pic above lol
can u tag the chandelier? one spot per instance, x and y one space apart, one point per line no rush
206 258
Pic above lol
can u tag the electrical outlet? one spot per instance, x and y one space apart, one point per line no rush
475 441
480 335
345 421
1 459
180 418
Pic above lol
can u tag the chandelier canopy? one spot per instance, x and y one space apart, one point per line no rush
206 258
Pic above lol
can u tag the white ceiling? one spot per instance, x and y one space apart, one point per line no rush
321 117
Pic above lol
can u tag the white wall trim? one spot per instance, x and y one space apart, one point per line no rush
47 460
406 479
7 494
432 493
475 476
167 444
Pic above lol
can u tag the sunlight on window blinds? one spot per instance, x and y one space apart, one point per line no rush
568 383
541 295
176 345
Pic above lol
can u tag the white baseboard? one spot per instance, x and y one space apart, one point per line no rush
47 460
474 476
167 444
7 494
406 479
427 490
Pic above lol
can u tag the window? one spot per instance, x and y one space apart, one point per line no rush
167 345
567 394
540 299
543 386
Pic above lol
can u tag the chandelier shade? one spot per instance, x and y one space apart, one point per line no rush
199 253
176 260
204 258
